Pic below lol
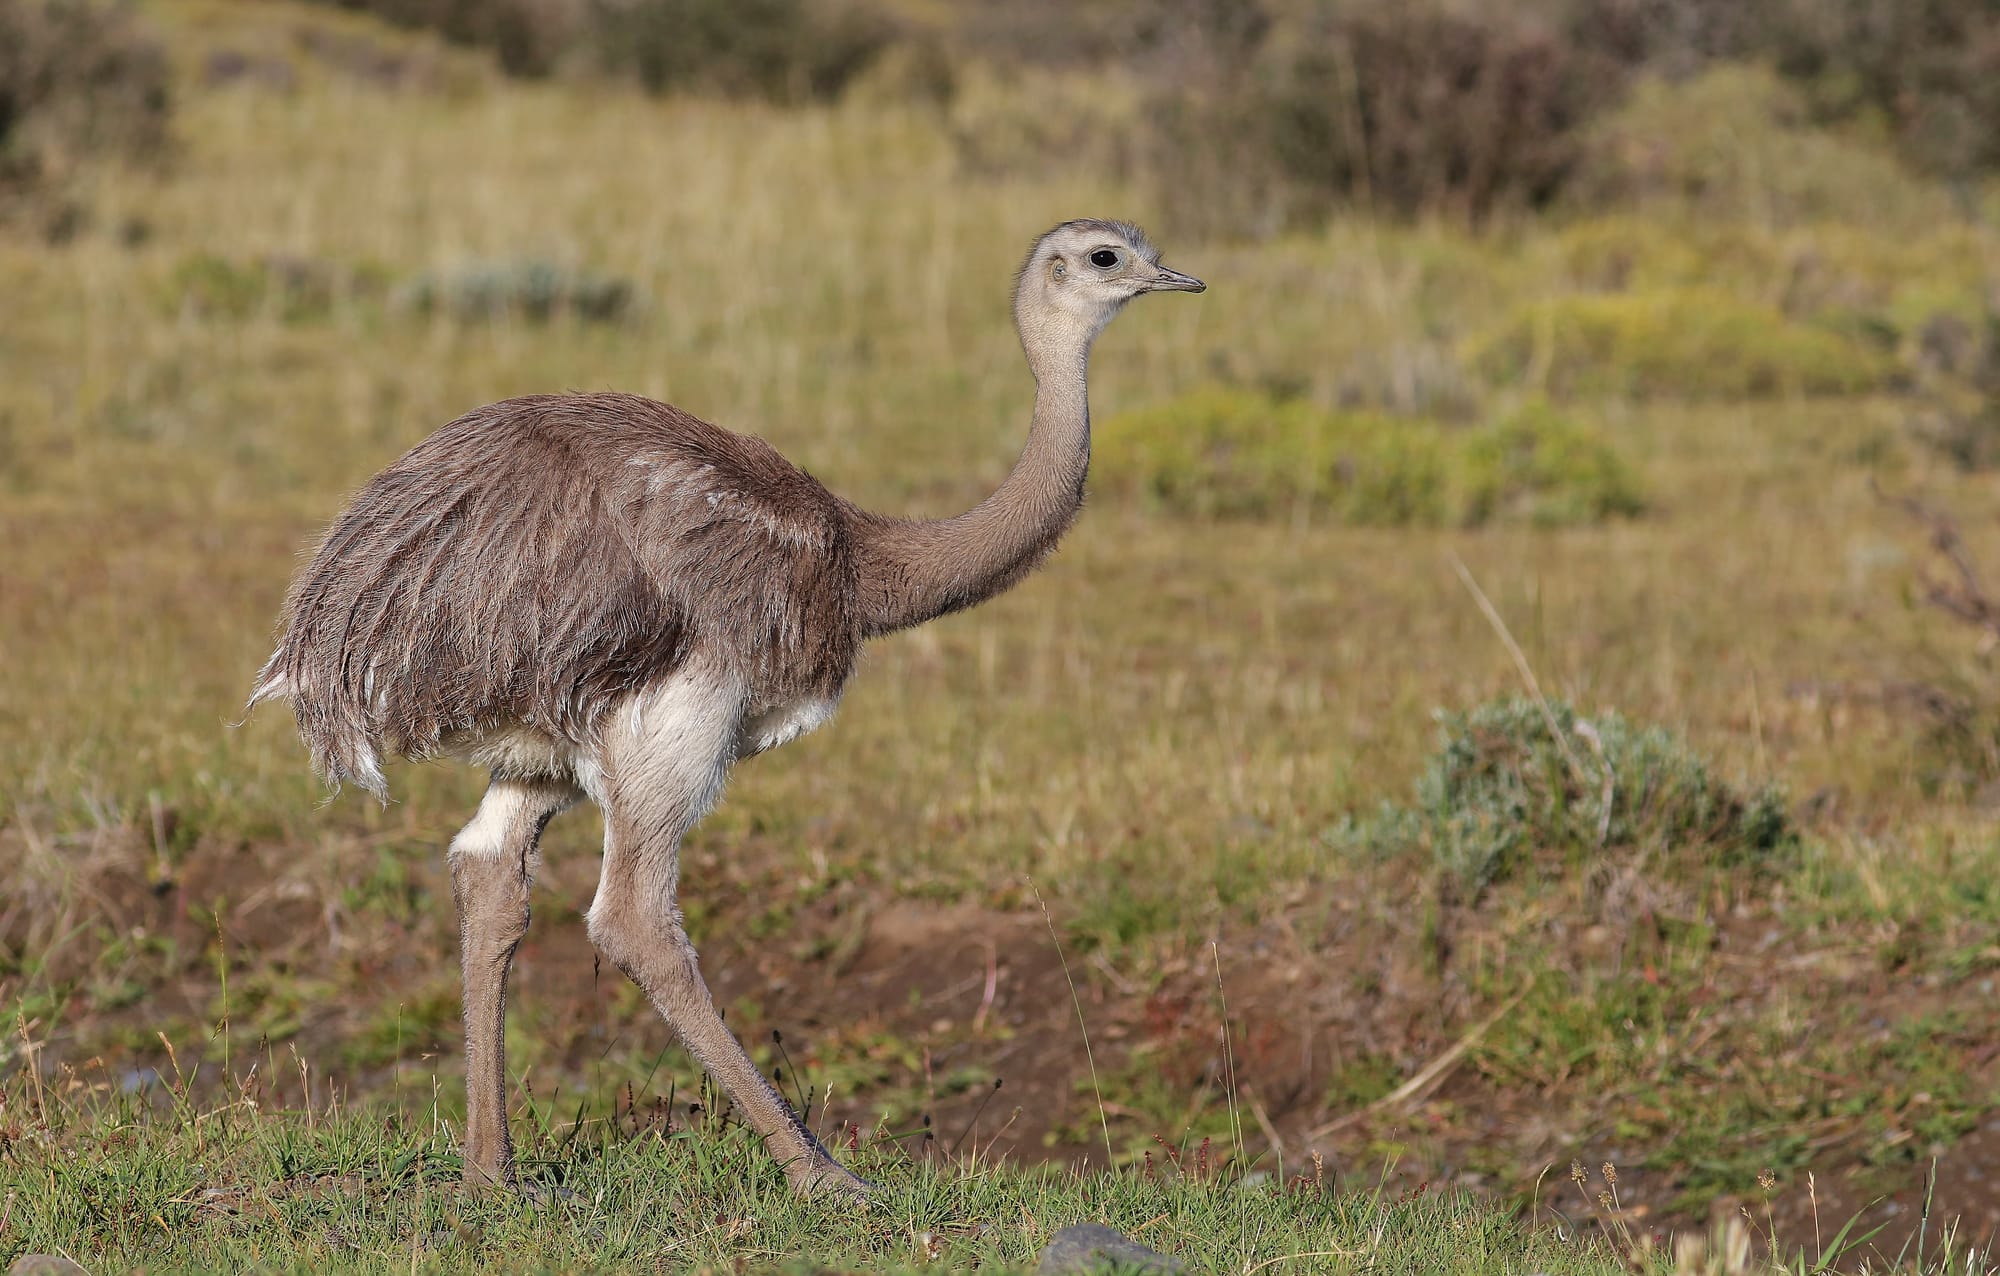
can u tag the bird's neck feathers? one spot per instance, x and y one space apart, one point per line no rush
914 571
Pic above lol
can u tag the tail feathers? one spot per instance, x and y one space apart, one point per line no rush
343 748
273 683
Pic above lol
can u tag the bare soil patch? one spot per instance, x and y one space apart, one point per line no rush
915 1008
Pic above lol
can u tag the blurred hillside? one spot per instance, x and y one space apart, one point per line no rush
1298 106
1242 118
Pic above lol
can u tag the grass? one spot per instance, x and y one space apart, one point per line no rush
1171 733
272 1171
253 1184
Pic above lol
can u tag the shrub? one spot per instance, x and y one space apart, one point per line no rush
77 78
1540 467
1619 252
1954 684
1230 453
1170 37
1738 143
1955 357
1250 117
1907 300
1690 343
1037 120
1413 108
1259 116
1234 453
527 36
292 289
1674 36
535 291
1397 108
1808 272
1503 793
1929 69
781 50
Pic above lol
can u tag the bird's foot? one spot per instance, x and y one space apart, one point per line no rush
478 1180
822 1176
542 1193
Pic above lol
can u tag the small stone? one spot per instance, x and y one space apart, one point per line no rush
1092 1247
44 1265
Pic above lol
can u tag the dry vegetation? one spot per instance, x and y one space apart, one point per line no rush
1743 924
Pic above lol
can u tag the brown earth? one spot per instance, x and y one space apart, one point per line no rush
918 1007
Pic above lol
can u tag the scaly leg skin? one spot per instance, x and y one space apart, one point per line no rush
493 861
655 953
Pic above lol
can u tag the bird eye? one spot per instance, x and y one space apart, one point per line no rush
1104 259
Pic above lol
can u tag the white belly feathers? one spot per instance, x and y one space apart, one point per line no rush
781 724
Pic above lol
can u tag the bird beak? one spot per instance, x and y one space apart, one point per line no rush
1174 281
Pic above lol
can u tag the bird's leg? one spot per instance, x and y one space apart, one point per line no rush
663 773
655 952
493 862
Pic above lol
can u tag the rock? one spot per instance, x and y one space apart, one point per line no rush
44 1265
1092 1247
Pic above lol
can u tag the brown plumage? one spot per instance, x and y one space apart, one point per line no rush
534 560
597 595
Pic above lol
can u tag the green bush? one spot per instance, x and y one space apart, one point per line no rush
77 78
1540 467
1685 343
1503 793
295 290
535 291
1923 321
1617 252
1230 453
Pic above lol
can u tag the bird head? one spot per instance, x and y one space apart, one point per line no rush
1080 275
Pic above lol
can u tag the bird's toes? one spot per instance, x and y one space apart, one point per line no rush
831 1180
527 1191
543 1193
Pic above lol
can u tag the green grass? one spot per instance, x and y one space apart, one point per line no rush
155 1181
253 1177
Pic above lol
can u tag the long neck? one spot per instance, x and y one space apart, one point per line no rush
914 571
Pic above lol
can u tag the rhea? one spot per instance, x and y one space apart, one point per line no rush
599 596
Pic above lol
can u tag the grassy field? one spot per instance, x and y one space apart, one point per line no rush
1194 770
